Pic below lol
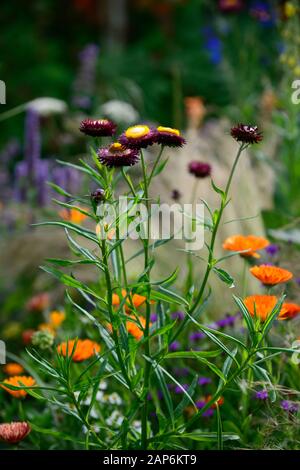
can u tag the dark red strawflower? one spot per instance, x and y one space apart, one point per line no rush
14 432
199 169
169 137
98 195
98 127
246 134
137 137
116 155
176 194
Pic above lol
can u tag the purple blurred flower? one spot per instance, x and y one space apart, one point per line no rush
32 141
272 249
207 413
84 84
174 346
204 381
229 320
177 315
213 45
297 280
10 151
196 335
41 178
180 389
290 406
261 395
181 371
263 13
153 317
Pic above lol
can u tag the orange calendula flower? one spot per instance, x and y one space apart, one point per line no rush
13 368
271 275
56 318
137 300
133 327
292 311
85 348
72 215
18 381
218 402
251 243
262 306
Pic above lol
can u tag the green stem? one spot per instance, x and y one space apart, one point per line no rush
148 312
128 181
111 314
210 262
155 165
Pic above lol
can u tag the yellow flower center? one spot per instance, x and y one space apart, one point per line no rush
169 130
136 132
116 147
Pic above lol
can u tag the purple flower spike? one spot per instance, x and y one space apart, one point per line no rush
181 371
196 335
153 317
289 406
261 395
272 249
180 389
204 381
177 315
174 346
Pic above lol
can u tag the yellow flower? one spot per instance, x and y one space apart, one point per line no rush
291 61
170 130
290 9
138 131
56 318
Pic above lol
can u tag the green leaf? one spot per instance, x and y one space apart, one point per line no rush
185 401
70 281
59 190
168 296
220 430
264 375
208 436
272 317
192 354
247 317
75 228
224 276
217 190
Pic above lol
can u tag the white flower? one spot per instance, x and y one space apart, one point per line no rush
137 425
115 419
114 399
103 385
119 111
46 106
99 395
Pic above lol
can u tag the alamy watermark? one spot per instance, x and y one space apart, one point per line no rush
295 98
2 352
158 222
2 92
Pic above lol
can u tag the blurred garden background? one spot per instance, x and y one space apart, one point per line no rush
196 65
